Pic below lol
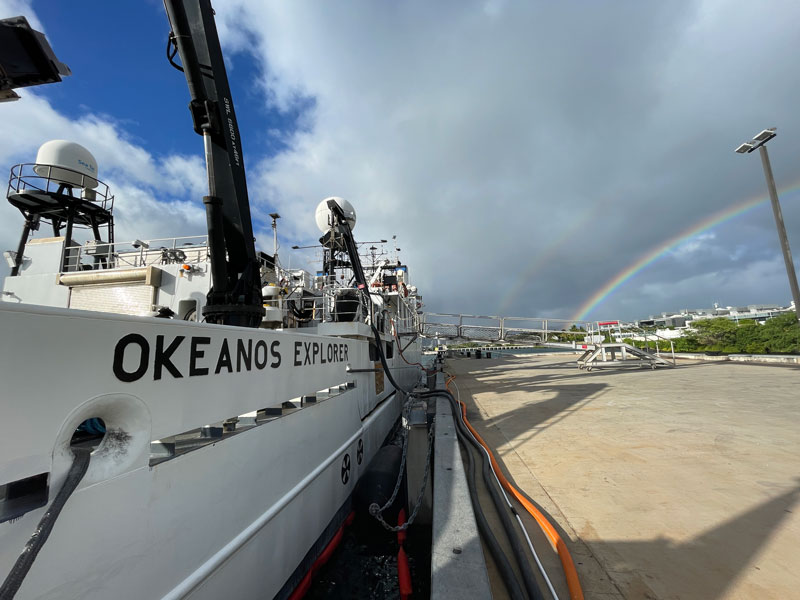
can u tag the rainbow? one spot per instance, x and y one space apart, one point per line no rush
545 257
654 254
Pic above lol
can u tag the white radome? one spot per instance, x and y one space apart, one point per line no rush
323 213
80 167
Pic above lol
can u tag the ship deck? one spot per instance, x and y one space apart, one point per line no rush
670 484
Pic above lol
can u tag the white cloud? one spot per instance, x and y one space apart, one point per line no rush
16 8
695 244
155 197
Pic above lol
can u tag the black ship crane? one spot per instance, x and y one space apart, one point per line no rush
235 295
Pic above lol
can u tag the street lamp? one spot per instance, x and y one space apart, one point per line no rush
758 142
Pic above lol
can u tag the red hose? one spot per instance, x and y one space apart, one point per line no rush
302 588
403 575
403 570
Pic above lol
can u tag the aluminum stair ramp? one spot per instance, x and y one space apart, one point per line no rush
620 354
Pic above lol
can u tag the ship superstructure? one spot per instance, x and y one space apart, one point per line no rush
230 405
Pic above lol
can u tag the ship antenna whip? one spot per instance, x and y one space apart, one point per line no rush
24 563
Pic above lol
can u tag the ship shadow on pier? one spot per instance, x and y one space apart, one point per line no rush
703 567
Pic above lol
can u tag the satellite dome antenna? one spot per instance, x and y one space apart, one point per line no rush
332 240
324 218
62 187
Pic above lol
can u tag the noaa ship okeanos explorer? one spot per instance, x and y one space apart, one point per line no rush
211 411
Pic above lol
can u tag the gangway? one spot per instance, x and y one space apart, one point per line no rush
604 343
616 354
502 329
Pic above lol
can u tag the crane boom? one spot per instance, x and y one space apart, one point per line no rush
235 296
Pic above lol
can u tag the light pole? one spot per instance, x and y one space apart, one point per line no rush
759 141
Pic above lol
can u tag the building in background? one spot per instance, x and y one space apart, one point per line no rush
684 319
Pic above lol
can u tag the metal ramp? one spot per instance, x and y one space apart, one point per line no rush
616 354
604 343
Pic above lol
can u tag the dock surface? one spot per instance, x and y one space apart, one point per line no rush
670 484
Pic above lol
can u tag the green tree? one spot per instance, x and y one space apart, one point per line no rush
782 334
750 337
687 343
779 335
717 334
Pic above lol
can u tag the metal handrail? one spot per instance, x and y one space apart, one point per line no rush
543 327
644 333
138 253
24 178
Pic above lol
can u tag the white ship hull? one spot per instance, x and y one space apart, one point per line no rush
238 515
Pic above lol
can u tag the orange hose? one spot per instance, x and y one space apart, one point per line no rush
571 574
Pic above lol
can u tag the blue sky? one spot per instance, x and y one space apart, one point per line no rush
529 150
122 74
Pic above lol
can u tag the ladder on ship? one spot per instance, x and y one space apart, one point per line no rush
615 354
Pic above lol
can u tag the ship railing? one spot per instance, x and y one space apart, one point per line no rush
406 319
497 328
298 310
338 303
57 180
92 255
342 304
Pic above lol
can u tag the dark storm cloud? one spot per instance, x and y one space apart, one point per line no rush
484 133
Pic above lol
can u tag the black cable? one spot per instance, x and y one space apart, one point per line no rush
171 55
381 355
361 280
206 70
530 582
20 569
528 577
500 559
507 572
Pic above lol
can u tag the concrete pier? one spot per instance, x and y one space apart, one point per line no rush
674 484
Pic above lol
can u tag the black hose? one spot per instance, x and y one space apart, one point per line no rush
382 356
20 569
361 280
500 559
528 577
